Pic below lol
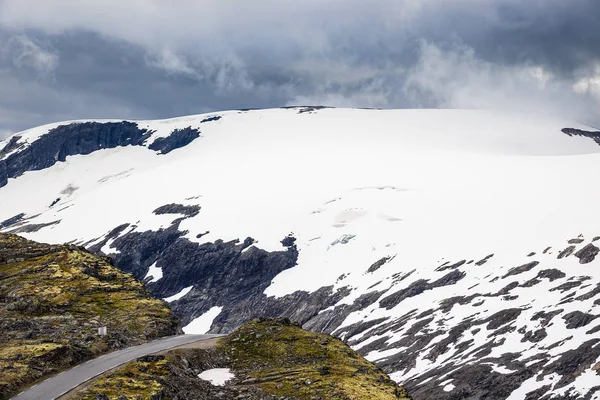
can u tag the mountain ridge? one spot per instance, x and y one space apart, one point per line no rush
436 242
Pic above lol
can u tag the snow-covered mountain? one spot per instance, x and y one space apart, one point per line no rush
458 249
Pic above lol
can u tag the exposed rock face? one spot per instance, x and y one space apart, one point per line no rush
178 138
52 301
188 211
68 140
233 275
266 359
82 138
11 221
587 254
595 136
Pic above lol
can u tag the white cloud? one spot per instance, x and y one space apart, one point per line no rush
170 62
24 52
589 84
457 78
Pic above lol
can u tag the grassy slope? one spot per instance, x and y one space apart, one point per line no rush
269 358
53 299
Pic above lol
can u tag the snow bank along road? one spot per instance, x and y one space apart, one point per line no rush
64 382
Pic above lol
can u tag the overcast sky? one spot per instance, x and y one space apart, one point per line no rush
71 59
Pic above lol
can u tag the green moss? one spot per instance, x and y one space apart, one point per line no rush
52 301
268 358
285 360
137 380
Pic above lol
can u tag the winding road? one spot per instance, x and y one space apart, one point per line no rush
66 381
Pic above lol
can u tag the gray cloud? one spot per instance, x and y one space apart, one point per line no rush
149 59
25 53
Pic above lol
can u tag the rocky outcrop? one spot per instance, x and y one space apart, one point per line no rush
69 140
188 211
266 359
587 254
82 138
594 135
178 138
52 301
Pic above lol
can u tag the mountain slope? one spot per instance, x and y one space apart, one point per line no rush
455 248
52 301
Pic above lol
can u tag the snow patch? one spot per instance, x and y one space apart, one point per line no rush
155 272
178 295
217 376
202 324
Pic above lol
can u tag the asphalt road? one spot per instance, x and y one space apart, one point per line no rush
66 381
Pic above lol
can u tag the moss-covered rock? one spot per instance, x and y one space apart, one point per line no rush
271 359
52 301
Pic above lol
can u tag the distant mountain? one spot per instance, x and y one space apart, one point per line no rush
457 249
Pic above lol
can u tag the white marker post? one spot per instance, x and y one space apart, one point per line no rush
102 331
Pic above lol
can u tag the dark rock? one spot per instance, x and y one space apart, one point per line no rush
587 254
576 241
566 252
447 304
68 140
538 393
502 317
577 319
483 261
551 274
506 289
521 269
452 266
11 221
595 136
177 139
414 289
30 228
378 264
572 362
188 211
150 358
13 144
545 317
593 330
289 241
310 109
592 293
211 119
566 286
449 279
531 282
535 337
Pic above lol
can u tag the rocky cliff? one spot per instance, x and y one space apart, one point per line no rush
52 301
80 139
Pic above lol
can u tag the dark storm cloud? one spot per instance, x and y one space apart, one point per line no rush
66 59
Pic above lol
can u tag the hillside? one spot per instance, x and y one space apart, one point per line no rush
52 301
263 359
456 249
